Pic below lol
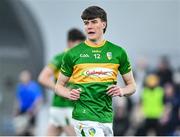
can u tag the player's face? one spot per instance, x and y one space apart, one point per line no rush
94 28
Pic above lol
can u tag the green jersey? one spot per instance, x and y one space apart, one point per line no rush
93 69
55 64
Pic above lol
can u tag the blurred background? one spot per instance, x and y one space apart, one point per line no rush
33 31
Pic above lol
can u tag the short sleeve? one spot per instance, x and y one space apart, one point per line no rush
67 65
125 65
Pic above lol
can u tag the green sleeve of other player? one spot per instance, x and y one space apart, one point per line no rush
125 65
56 61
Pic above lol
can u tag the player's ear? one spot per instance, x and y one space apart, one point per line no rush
104 25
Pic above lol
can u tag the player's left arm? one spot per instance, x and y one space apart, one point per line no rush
129 89
130 83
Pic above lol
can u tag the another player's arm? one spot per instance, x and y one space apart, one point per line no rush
129 89
62 90
45 77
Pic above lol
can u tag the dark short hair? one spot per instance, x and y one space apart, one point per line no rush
75 34
93 12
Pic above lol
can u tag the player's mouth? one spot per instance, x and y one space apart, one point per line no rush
91 32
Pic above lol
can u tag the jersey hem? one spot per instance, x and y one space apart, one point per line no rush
92 119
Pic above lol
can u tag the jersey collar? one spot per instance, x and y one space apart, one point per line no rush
89 43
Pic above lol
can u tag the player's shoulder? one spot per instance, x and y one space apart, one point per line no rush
116 47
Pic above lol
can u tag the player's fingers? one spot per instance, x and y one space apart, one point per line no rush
111 86
109 92
115 94
74 97
118 93
75 92
112 90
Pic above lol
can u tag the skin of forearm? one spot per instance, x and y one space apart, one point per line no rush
61 90
46 78
48 83
130 83
129 89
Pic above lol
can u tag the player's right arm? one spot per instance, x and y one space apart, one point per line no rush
61 90
64 76
45 77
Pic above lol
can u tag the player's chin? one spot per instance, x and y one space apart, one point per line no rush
91 37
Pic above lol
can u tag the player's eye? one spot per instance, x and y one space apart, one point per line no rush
94 21
86 22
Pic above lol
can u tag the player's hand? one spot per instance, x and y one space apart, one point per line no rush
74 94
115 90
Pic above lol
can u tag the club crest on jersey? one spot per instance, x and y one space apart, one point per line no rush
92 132
109 55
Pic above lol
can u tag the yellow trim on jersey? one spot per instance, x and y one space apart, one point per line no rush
56 71
56 74
91 44
52 66
94 72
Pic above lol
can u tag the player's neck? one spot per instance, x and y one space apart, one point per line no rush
95 43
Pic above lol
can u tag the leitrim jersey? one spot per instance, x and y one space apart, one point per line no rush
93 69
55 64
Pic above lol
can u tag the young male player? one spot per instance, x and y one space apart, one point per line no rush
91 69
